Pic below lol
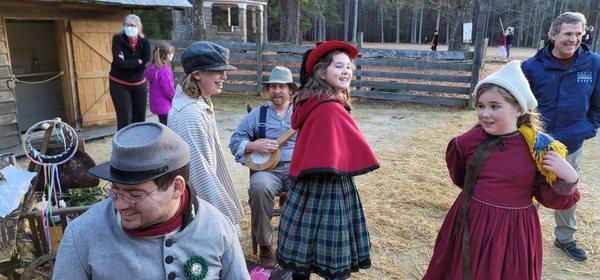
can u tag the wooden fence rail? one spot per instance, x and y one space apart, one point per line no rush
431 77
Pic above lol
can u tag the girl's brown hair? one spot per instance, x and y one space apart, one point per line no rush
317 85
531 119
162 49
190 86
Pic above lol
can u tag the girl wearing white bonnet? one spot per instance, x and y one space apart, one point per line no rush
502 165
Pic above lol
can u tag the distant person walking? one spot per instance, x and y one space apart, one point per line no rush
128 91
588 38
435 41
501 51
509 40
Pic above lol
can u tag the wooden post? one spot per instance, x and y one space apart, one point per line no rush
265 23
485 45
478 54
360 47
355 22
259 58
43 148
360 40
596 44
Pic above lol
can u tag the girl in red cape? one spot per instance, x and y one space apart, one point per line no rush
322 228
492 230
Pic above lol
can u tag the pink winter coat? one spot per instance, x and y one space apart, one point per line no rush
162 88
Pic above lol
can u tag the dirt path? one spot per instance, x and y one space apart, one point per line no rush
407 198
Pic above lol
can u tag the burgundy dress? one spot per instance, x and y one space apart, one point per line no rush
506 240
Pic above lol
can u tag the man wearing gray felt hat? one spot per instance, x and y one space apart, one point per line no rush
258 132
152 225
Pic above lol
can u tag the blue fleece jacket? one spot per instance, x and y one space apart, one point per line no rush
568 98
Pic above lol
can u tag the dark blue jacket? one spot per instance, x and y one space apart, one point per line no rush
568 99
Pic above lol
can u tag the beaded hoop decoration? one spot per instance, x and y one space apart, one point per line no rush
51 196
62 131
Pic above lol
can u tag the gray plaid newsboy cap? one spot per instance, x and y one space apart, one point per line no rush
205 56
142 152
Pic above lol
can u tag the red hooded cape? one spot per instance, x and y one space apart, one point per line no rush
329 141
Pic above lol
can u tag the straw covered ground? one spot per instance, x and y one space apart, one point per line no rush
407 199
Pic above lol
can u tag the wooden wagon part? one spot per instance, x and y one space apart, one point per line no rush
43 265
47 135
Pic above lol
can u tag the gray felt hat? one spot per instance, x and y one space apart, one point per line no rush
141 152
205 56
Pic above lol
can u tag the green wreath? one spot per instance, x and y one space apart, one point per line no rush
196 268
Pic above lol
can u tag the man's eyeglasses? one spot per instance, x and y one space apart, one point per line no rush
131 201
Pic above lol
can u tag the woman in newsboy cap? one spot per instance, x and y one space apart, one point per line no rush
193 118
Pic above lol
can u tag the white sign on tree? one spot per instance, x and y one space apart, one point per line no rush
467 32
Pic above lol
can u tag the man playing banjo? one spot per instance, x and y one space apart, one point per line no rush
257 134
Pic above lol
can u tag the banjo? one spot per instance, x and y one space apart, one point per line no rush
258 161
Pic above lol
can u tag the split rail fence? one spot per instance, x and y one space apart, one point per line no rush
430 77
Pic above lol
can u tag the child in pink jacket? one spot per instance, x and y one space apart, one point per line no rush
161 81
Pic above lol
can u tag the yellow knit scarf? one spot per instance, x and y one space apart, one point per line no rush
539 144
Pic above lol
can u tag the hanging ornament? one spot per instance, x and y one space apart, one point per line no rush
64 134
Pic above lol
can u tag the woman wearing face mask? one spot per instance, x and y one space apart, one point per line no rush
160 80
131 53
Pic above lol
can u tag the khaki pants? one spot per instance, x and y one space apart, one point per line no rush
264 186
566 224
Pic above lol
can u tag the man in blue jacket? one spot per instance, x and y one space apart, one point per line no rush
564 79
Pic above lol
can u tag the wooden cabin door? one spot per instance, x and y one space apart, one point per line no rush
92 56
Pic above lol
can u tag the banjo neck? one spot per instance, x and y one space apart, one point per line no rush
286 136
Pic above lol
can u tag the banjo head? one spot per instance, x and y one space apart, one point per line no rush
260 158
262 161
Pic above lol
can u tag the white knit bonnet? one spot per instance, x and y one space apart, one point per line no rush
511 78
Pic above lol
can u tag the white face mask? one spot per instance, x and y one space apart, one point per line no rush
170 56
130 31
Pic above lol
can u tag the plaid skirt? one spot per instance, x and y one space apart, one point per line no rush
322 228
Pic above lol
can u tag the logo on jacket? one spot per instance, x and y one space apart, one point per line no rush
584 77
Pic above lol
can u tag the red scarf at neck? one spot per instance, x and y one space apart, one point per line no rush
164 228
133 42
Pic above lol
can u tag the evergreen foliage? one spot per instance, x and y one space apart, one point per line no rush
157 23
